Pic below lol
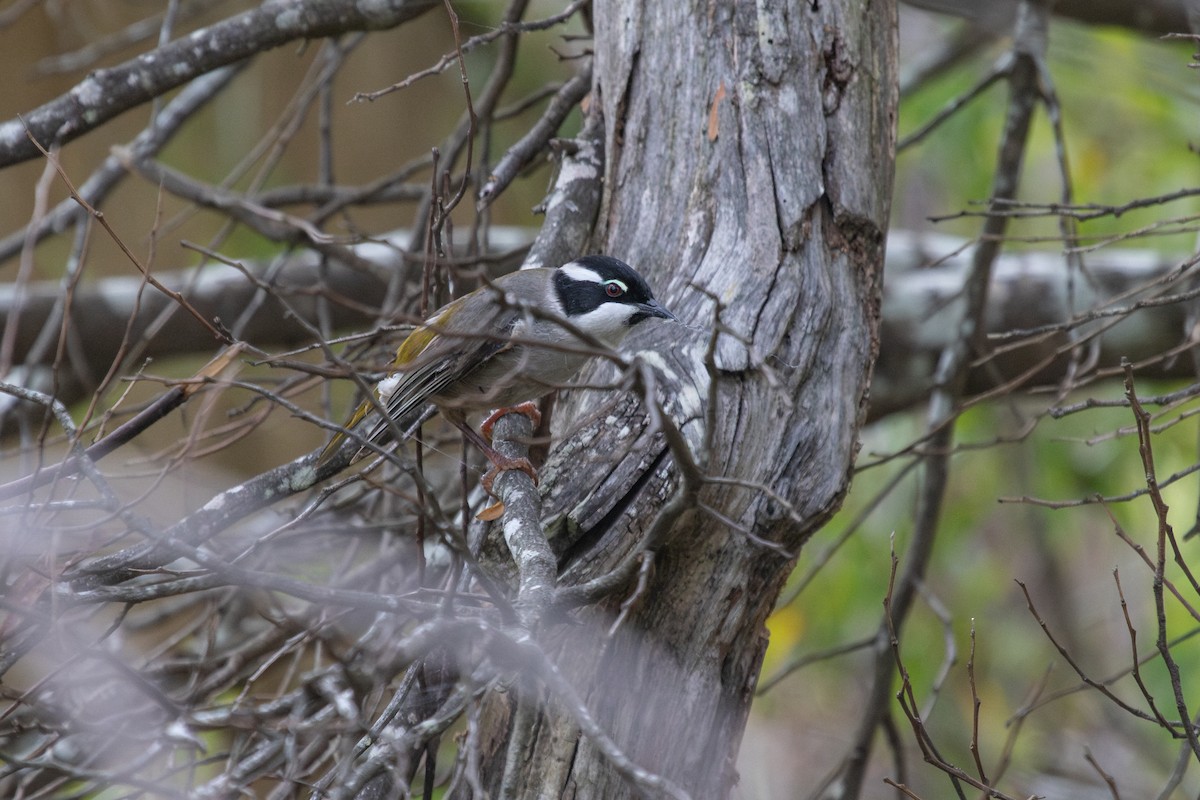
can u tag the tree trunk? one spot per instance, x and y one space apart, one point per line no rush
749 150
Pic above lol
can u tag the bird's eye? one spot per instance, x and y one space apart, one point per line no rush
614 288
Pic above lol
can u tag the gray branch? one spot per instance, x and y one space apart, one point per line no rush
1151 16
537 566
1130 303
105 93
1030 292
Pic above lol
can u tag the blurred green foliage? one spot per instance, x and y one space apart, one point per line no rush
1129 110
1127 103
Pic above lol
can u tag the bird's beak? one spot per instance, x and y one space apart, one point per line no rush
653 309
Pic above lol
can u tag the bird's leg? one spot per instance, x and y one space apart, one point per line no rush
500 462
529 409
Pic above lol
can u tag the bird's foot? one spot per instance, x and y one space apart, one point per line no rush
528 408
505 464
502 464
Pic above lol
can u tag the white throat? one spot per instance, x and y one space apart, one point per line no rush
609 323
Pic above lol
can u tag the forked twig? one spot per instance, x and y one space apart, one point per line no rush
99 216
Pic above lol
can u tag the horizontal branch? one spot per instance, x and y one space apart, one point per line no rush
146 144
1031 292
1127 303
1150 16
218 292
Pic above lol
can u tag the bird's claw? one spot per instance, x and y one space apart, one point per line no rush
505 464
502 463
528 408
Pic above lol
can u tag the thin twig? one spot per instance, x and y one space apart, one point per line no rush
1166 534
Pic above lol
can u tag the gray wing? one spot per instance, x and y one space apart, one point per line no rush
445 362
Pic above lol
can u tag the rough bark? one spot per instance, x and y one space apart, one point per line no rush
760 169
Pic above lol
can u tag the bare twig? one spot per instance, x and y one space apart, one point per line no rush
1108 779
99 217
535 141
950 381
1135 666
158 409
106 93
975 703
1083 676
507 27
1166 535
908 705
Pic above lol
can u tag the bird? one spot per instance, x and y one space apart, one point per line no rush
505 345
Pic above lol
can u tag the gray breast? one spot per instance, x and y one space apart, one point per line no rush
521 373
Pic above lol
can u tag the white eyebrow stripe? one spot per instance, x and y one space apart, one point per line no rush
578 273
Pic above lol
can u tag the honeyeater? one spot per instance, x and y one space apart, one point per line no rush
506 344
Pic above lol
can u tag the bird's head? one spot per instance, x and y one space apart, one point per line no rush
605 297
